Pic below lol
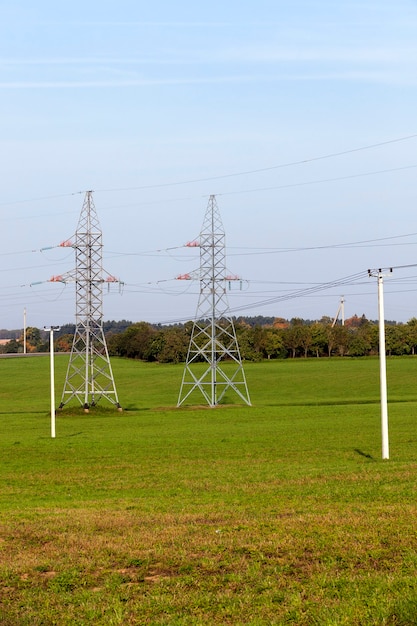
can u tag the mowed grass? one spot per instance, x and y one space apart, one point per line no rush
279 513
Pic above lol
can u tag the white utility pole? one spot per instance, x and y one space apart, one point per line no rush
382 361
24 330
340 310
51 348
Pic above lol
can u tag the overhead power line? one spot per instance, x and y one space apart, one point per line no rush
61 195
330 155
259 250
347 280
317 182
246 251
287 164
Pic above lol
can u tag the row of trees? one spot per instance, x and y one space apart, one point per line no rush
275 338
37 340
279 340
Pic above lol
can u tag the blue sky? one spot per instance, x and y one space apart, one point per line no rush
299 116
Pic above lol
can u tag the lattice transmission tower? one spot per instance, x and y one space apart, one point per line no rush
89 375
213 365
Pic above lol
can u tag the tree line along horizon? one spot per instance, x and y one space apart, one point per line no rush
258 337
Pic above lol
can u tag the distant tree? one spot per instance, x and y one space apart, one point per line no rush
358 344
361 338
257 320
175 346
356 322
35 341
280 322
318 339
258 339
306 339
396 341
325 320
273 344
296 337
11 347
135 341
331 338
341 335
410 331
64 343
245 339
111 326
113 341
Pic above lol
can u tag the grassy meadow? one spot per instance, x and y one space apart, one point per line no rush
279 513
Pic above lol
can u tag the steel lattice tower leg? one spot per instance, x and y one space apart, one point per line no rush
89 375
213 364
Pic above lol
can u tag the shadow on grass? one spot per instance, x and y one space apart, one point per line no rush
139 409
336 402
324 403
72 435
365 454
97 411
23 413
60 436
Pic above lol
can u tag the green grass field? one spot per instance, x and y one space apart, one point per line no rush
279 513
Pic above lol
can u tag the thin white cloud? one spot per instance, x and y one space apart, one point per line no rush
260 52
121 83
302 54
382 77
257 53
